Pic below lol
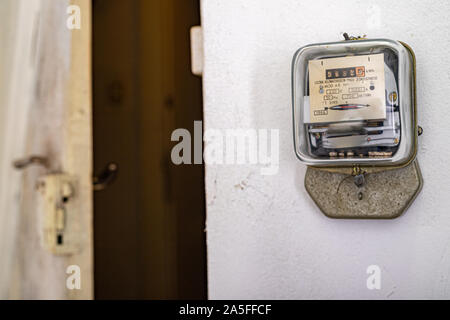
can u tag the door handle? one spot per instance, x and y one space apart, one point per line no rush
21 164
106 177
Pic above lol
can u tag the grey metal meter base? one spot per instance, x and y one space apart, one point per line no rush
381 195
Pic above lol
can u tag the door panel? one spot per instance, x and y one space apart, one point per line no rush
51 89
149 225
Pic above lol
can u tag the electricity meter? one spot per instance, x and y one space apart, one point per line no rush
354 112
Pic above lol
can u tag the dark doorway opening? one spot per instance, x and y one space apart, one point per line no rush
149 224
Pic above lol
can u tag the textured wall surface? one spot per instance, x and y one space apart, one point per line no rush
266 238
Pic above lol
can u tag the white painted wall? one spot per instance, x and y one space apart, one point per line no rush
266 238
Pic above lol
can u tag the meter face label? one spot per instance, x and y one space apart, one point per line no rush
347 89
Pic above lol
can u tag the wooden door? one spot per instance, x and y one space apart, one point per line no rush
149 225
46 111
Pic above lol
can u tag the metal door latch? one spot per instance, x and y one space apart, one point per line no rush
59 217
58 204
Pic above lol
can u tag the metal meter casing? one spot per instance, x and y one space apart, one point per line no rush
403 66
367 181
